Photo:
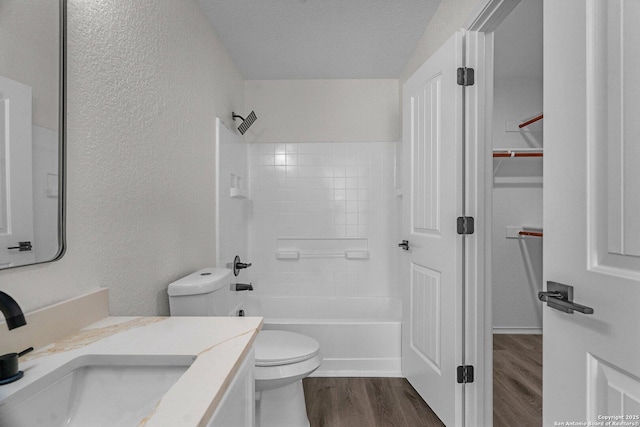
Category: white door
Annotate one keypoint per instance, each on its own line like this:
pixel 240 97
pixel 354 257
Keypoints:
pixel 591 362
pixel 432 200
pixel 16 201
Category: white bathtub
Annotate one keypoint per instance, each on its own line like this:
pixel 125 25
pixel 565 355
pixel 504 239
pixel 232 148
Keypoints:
pixel 359 337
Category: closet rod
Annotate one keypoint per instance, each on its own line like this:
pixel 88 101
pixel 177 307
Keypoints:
pixel 530 233
pixel 516 153
pixel 528 122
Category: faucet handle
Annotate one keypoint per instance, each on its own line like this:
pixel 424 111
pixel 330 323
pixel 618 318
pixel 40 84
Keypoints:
pixel 238 265
pixel 9 371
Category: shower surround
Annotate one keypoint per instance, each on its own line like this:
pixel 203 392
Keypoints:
pixel 316 201
pixel 308 205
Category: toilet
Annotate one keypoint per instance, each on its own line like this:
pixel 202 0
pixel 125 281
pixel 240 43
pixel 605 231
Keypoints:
pixel 282 359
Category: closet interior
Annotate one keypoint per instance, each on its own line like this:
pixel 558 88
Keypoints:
pixel 516 200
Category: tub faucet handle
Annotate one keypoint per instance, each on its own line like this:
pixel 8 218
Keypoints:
pixel 238 265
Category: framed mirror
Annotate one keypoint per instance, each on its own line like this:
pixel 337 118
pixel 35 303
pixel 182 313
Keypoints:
pixel 32 125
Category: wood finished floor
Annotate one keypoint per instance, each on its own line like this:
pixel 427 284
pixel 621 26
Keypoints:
pixel 517 380
pixel 392 402
pixel 366 402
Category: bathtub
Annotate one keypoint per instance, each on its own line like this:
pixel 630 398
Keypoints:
pixel 359 337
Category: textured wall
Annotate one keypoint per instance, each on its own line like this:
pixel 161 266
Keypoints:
pixel 324 110
pixel 449 18
pixel 146 81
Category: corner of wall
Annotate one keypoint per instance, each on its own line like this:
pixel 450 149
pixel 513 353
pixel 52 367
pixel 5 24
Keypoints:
pixel 450 16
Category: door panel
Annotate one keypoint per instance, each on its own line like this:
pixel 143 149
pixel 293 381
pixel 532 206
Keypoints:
pixel 431 269
pixel 613 99
pixel 592 207
pixel 425 107
pixel 425 315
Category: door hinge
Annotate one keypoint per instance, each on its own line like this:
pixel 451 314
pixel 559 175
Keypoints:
pixel 466 225
pixel 466 76
pixel 465 374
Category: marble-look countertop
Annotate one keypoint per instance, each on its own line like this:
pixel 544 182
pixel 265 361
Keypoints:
pixel 218 343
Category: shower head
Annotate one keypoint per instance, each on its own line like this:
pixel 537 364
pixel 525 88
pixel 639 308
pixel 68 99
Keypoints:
pixel 246 123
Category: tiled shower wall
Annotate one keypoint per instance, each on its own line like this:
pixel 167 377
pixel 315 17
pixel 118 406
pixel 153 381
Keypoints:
pixel 324 192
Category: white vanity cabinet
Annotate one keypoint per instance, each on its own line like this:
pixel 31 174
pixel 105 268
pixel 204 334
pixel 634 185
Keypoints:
pixel 237 407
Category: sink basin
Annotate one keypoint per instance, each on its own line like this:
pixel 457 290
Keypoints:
pixel 95 390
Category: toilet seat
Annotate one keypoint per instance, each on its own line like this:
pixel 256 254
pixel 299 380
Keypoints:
pixel 276 348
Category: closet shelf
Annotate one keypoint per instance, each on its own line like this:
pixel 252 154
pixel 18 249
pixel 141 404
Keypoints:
pixel 533 120
pixel 517 152
pixel 514 232
pixel 525 233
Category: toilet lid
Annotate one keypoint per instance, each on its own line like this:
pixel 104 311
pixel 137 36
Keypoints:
pixel 282 348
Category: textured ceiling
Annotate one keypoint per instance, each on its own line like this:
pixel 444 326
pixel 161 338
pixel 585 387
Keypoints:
pixel 320 39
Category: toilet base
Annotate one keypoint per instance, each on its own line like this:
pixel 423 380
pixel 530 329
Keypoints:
pixel 282 407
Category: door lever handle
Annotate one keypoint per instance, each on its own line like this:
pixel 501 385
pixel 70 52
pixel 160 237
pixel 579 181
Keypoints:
pixel 404 245
pixel 560 297
pixel 544 296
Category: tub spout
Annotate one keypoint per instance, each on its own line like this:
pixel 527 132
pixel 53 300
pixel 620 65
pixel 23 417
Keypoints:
pixel 12 311
pixel 242 287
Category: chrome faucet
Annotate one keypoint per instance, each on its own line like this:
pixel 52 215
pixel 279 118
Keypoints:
pixel 12 311
pixel 242 287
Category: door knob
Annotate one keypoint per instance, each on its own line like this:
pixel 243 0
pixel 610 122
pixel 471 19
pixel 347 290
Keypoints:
pixel 404 245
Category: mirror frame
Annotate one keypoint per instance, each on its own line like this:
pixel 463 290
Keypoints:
pixel 62 140
pixel 62 137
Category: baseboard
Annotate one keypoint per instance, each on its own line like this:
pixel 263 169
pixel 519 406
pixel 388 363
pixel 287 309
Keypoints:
pixel 514 331
pixel 359 368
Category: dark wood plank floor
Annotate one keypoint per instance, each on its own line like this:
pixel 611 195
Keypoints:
pixel 517 380
pixel 366 402
pixel 392 402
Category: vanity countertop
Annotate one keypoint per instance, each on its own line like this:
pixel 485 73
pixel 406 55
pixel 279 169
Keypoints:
pixel 219 344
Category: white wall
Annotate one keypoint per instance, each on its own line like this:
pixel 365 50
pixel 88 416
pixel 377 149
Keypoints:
pixel 45 194
pixel 449 18
pixel 29 53
pixel 146 80
pixel 323 110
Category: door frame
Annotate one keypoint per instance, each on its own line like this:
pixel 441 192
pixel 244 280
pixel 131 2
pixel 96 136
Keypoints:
pixel 479 53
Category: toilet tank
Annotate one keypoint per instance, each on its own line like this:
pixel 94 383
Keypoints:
pixel 203 293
